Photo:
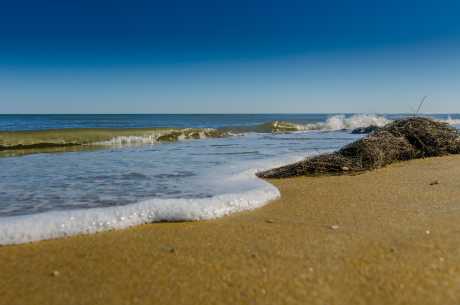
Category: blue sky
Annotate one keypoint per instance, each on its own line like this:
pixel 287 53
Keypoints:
pixel 228 57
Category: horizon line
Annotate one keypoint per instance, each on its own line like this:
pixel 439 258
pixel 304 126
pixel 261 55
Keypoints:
pixel 233 113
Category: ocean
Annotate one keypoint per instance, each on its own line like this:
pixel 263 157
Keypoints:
pixel 75 174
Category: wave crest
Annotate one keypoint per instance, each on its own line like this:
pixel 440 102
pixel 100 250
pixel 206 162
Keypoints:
pixel 336 122
pixel 86 137
pixel 165 136
pixel 339 122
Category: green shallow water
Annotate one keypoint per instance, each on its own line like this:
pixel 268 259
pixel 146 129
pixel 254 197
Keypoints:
pixel 66 138
pixel 15 143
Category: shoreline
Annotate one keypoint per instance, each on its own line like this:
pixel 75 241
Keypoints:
pixel 382 237
pixel 52 225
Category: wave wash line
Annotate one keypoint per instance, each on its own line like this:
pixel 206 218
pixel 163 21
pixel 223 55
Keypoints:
pixel 50 225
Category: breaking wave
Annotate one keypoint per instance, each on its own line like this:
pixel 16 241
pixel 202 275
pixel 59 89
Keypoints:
pixel 336 122
pixel 17 140
pixel 340 122
pixel 168 136
pixel 67 138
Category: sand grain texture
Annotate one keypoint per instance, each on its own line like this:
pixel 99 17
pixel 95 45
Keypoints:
pixel 384 237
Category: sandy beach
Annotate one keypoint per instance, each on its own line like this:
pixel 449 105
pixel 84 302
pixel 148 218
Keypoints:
pixel 390 236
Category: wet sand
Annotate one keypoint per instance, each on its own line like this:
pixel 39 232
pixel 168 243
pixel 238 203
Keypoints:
pixel 384 237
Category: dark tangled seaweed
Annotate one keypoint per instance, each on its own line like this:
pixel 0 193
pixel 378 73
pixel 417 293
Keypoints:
pixel 401 140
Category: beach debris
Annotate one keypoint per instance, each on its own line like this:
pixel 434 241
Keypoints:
pixel 435 182
pixel 405 139
pixel 269 220
pixel 55 273
pixel 365 130
pixel 345 169
pixel 280 126
pixel 427 232
pixel 334 227
pixel 169 249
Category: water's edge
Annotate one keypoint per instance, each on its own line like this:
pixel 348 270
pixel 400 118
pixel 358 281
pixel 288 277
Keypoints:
pixel 58 224
pixel 239 188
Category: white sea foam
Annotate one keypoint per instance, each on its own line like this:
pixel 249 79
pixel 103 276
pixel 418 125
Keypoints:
pixel 22 229
pixel 340 122
pixel 130 140
pixel 55 224
pixel 155 137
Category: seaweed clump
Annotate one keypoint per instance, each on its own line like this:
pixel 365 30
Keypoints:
pixel 191 133
pixel 401 140
pixel 365 130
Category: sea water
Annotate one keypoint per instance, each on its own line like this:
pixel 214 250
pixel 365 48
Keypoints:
pixel 50 195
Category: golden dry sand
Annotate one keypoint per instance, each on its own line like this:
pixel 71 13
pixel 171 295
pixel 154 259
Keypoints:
pixel 384 237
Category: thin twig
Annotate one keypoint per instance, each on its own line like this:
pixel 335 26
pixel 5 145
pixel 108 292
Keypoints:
pixel 420 105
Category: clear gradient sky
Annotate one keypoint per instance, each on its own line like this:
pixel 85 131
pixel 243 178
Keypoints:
pixel 240 56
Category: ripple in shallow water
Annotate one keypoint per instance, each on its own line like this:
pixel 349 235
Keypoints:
pixel 122 176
